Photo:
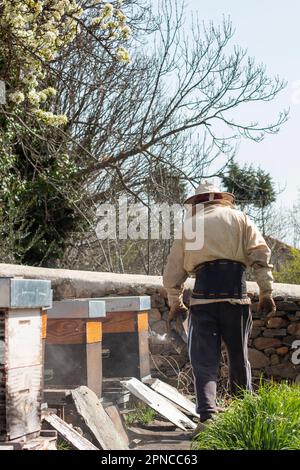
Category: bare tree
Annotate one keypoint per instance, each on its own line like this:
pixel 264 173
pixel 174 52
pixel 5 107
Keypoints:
pixel 175 105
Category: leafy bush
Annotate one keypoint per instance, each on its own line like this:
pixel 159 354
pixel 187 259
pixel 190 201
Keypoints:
pixel 290 272
pixel 266 420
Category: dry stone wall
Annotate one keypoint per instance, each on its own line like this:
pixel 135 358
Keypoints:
pixel 273 343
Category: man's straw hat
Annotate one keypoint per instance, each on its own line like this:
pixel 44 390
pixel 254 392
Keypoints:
pixel 211 189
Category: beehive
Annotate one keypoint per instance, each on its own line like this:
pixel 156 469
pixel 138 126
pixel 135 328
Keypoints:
pixel 73 353
pixel 125 337
pixel 23 304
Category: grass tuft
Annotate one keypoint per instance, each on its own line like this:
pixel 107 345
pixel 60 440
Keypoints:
pixel 143 414
pixel 268 419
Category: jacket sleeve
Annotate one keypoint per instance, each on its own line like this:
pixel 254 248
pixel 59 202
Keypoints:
pixel 174 273
pixel 258 256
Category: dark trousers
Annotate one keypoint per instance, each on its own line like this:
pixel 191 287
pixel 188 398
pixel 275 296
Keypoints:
pixel 208 325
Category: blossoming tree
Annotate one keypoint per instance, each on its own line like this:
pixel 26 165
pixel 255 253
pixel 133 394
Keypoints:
pixel 34 159
pixel 33 32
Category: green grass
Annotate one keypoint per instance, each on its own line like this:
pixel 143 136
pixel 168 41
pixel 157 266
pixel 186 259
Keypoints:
pixel 268 419
pixel 143 414
pixel 63 445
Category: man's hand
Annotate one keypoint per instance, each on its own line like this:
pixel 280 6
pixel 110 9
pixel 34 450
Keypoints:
pixel 267 305
pixel 178 310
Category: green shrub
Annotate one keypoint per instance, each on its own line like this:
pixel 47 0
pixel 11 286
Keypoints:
pixel 268 419
pixel 290 271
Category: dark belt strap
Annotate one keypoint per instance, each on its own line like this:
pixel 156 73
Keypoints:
pixel 220 279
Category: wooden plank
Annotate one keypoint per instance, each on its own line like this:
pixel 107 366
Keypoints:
pixel 127 304
pixel 144 355
pixel 115 415
pixel 120 323
pixel 44 325
pixel 30 293
pixel 25 293
pixel 24 336
pixel 159 404
pixel 123 359
pixel 142 321
pixel 93 332
pixel 97 420
pixel 78 308
pixel 69 433
pixel 65 365
pixel 172 394
pixel 23 401
pixel 94 367
pixel 71 331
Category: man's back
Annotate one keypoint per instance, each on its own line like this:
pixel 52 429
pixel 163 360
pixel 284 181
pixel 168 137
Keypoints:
pixel 224 230
pixel 228 234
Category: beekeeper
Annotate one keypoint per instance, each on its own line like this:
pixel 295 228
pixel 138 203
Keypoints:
pixel 220 306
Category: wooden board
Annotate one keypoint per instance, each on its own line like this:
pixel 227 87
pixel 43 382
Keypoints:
pixel 71 331
pixel 142 322
pixel 24 337
pixel 77 308
pixel 97 420
pixel 127 304
pixel 69 433
pixel 123 322
pixel 115 415
pixel 124 355
pixel 23 401
pixel 172 394
pixel 25 293
pixel 94 367
pixel 159 404
pixel 66 365
pixel 144 355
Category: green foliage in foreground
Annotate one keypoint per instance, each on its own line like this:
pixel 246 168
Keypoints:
pixel 266 420
pixel 143 414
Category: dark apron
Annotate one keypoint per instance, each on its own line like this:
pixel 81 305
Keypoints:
pixel 220 279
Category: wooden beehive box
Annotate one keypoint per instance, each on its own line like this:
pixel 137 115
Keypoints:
pixel 23 304
pixel 125 337
pixel 73 352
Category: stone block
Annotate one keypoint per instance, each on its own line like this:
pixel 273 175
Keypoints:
pixel 265 343
pixel 274 359
pixel 160 327
pixel 276 322
pixel 154 315
pixel 284 371
pixel 270 351
pixel 257 359
pixel 292 317
pixel 287 306
pixel 283 351
pixel 294 329
pixel 255 332
pixel 272 333
pixel 288 340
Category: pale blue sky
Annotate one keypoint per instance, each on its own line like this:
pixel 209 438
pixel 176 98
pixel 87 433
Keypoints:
pixel 271 33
